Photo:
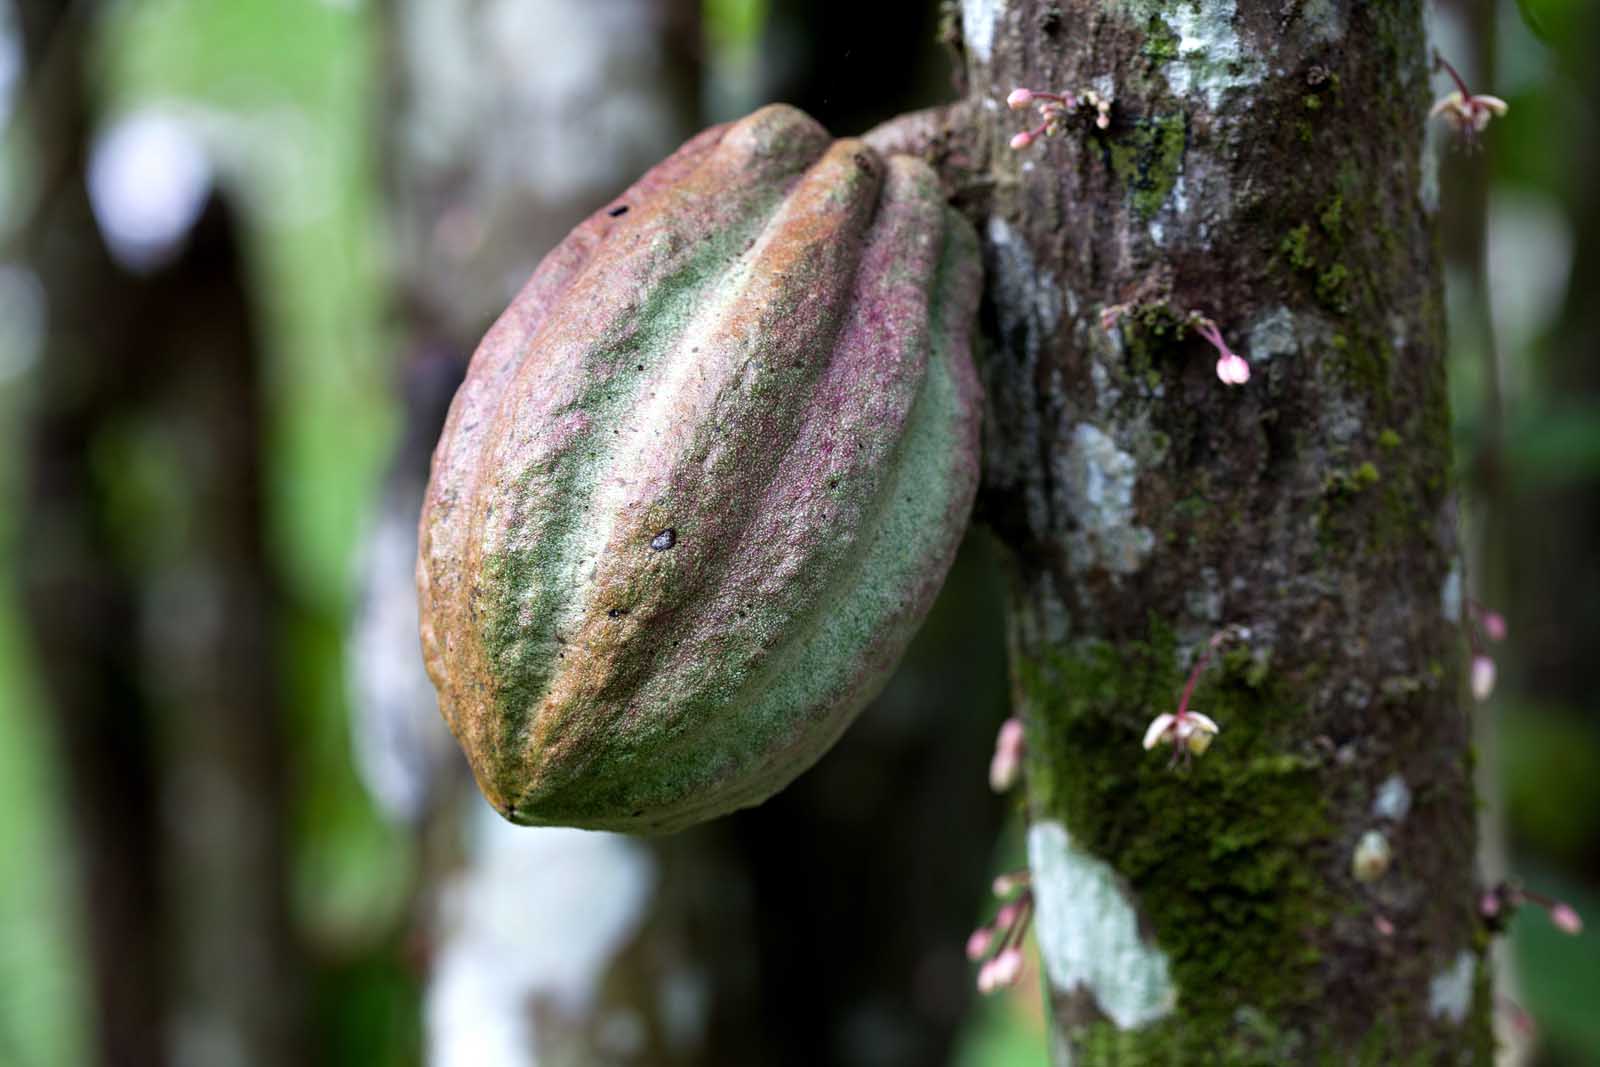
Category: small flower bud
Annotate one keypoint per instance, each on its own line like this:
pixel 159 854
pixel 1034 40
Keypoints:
pixel 978 943
pixel 1004 968
pixel 1019 100
pixel 1494 626
pixel 1006 765
pixel 1007 884
pixel 1482 677
pixel 1566 918
pixel 1022 140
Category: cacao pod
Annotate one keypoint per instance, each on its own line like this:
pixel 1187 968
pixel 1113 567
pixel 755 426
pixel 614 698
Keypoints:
pixel 703 480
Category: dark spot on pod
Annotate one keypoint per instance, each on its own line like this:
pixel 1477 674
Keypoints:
pixel 618 211
pixel 665 539
pixel 511 811
pixel 616 613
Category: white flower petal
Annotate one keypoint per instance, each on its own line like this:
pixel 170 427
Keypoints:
pixel 1158 729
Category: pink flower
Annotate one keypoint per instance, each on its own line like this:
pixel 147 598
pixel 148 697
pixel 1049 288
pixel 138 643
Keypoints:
pixel 1006 765
pixel 1001 971
pixel 1233 370
pixel 1054 111
pixel 1231 367
pixel 1511 895
pixel 1003 936
pixel 1187 729
pixel 978 943
pixel 1468 112
pixel 1482 676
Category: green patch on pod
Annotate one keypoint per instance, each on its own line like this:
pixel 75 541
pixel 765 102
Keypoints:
pixel 703 480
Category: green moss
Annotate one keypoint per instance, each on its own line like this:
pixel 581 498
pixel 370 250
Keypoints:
pixel 1160 40
pixel 1363 365
pixel 1148 159
pixel 1311 102
pixel 1339 482
pixel 1147 330
pixel 1221 854
pixel 1331 284
pixel 1296 245
pixel 1331 214
pixel 1224 856
pixel 1389 439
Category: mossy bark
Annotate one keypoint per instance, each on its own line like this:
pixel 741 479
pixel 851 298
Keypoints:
pixel 1263 166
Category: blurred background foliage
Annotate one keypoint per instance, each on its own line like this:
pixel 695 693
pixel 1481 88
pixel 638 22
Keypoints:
pixel 278 106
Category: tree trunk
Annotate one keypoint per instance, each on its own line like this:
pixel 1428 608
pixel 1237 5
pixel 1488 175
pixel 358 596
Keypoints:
pixel 1263 167
pixel 153 605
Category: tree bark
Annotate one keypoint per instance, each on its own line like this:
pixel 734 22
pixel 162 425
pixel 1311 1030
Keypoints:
pixel 1263 167
pixel 153 605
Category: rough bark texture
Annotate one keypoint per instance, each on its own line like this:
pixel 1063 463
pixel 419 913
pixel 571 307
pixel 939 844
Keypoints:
pixel 1263 166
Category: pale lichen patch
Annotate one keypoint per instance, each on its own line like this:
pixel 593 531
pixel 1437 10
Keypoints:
pixel 1033 295
pixel 979 18
pixel 1428 183
pixel 1273 334
pixel 1450 594
pixel 1211 59
pixel 1450 991
pixel 1097 479
pixel 1393 800
pixel 1028 304
pixel 1324 21
pixel 1088 932
pixel 1206 601
pixel 1106 393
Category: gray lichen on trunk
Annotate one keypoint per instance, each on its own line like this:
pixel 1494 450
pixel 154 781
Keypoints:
pixel 1263 166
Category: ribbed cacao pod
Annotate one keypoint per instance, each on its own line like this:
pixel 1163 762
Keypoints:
pixel 703 480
